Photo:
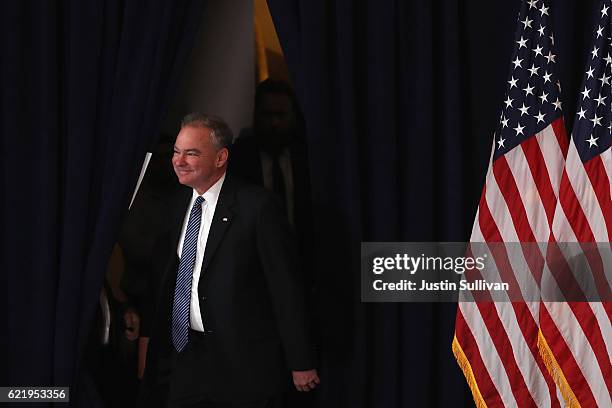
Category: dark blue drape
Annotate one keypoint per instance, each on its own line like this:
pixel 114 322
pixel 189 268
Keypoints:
pixel 401 99
pixel 84 84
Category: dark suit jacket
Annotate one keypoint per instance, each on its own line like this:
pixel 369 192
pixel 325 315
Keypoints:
pixel 245 163
pixel 251 297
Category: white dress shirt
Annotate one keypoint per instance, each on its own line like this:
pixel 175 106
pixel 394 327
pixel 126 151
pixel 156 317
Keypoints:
pixel 211 196
pixel 284 162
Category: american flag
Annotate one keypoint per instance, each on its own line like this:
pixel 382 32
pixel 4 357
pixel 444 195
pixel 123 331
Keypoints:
pixel 496 343
pixel 576 337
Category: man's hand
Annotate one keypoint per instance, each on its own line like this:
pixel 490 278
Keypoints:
pixel 305 380
pixel 132 324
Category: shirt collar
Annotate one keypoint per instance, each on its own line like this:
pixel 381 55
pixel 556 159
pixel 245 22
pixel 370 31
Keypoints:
pixel 284 154
pixel 212 194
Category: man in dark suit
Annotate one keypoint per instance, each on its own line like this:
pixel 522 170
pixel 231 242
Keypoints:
pixel 273 154
pixel 226 313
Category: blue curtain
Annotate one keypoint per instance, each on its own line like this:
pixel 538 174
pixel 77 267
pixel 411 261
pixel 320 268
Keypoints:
pixel 401 99
pixel 84 85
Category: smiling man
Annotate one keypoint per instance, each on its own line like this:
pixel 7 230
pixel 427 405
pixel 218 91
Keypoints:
pixel 226 311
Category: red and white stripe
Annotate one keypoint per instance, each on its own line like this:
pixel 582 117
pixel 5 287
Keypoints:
pixel 579 334
pixel 499 340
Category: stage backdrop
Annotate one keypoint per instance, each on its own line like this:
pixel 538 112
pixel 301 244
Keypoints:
pixel 401 99
pixel 83 87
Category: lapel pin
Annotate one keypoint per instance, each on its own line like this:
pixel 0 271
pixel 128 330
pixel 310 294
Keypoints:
pixel 225 219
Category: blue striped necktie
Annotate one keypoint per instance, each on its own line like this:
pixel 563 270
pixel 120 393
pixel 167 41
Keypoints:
pixel 182 291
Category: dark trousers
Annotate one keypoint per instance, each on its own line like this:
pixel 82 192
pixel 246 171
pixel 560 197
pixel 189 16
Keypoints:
pixel 267 403
pixel 189 386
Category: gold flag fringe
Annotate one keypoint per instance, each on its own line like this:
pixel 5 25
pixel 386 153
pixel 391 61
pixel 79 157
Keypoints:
pixel 465 366
pixel 555 371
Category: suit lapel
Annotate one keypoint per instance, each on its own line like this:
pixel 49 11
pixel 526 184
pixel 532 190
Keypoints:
pixel 179 209
pixel 258 165
pixel 221 221
pixel 254 167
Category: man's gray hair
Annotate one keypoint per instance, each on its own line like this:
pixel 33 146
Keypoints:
pixel 220 133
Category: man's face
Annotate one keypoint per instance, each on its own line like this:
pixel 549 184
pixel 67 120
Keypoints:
pixel 274 121
pixel 275 113
pixel 196 161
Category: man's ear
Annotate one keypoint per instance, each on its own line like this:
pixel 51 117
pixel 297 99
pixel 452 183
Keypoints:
pixel 222 156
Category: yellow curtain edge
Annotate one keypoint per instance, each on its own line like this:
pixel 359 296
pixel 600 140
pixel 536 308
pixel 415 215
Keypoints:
pixel 260 52
pixel 556 372
pixel 465 366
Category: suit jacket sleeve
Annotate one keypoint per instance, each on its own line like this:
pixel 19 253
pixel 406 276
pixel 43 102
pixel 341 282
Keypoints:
pixel 279 259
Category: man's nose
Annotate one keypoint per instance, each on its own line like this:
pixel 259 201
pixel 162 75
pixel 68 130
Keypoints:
pixel 178 160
